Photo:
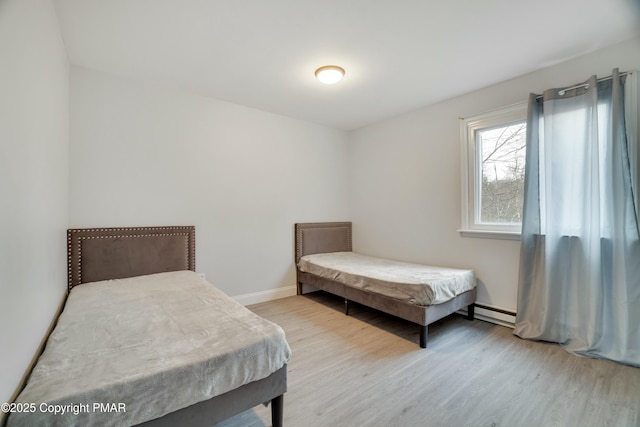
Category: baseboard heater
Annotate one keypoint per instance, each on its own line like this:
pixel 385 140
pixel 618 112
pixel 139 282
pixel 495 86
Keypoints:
pixel 496 315
pixel 497 310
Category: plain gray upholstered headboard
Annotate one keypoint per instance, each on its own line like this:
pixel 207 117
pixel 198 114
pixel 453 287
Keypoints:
pixel 322 237
pixel 115 253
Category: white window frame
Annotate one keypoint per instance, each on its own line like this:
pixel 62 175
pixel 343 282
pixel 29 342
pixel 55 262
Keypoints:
pixel 471 227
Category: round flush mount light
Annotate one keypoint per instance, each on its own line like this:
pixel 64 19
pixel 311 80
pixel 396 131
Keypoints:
pixel 329 74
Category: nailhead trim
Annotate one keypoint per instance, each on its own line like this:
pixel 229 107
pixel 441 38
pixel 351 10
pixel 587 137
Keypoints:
pixel 71 233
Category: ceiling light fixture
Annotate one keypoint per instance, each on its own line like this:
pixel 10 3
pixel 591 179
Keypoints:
pixel 330 74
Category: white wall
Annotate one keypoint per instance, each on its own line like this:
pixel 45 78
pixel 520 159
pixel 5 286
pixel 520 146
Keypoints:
pixel 405 173
pixel 34 84
pixel 143 155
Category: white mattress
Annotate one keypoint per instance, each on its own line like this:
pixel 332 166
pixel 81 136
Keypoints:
pixel 154 343
pixel 414 283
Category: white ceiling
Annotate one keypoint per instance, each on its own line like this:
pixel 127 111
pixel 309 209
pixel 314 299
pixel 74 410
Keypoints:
pixel 398 55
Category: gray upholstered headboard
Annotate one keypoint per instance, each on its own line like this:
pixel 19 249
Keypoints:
pixel 322 237
pixel 114 253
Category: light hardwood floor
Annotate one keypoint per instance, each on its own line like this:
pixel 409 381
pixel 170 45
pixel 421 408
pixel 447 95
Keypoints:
pixel 367 369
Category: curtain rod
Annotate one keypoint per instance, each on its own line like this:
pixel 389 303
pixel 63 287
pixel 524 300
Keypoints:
pixel 586 85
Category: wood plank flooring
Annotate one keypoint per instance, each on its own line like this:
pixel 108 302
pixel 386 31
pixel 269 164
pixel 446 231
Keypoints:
pixel 367 369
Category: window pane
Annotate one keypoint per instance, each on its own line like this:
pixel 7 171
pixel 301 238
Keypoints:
pixel 502 155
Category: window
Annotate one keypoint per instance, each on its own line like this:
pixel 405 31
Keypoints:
pixel 493 147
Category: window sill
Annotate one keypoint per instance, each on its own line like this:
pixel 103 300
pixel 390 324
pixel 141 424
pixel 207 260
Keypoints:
pixel 486 234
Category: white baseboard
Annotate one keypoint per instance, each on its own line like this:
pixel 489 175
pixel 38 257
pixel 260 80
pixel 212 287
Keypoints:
pixel 264 296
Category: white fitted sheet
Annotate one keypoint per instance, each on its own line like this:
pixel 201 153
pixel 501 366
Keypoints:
pixel 414 283
pixel 156 343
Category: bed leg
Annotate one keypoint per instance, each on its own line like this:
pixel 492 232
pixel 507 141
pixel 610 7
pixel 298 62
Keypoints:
pixel 277 410
pixel 424 329
pixel 346 307
pixel 471 311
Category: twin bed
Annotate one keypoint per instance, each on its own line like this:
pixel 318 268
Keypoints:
pixel 418 293
pixel 144 340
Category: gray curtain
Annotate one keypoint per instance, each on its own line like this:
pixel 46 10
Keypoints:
pixel 580 253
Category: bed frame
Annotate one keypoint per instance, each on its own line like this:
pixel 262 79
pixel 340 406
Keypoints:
pixel 324 237
pixel 115 253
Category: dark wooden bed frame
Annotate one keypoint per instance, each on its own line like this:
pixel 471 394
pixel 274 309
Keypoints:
pixel 115 253
pixel 324 237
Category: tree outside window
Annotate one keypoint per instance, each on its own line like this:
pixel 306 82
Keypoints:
pixel 502 167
